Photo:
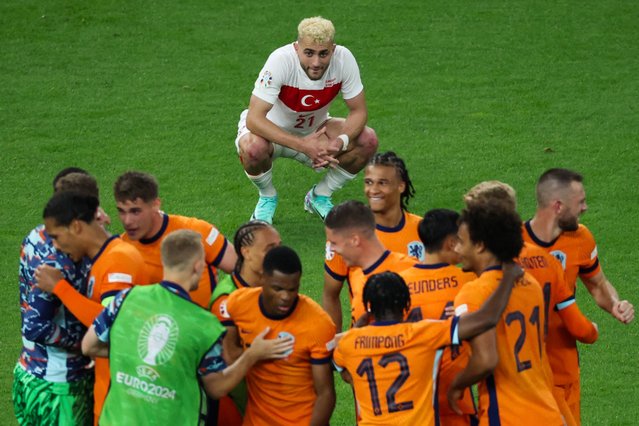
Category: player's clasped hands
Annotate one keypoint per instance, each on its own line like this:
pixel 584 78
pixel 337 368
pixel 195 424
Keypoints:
pixel 47 277
pixel 277 348
pixel 321 150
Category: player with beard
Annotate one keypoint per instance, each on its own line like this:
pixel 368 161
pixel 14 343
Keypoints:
pixel 561 200
pixel 288 117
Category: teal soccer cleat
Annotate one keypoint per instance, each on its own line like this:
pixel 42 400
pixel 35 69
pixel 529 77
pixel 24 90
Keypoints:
pixel 265 209
pixel 318 204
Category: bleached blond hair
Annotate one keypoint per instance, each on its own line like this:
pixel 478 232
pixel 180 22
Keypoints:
pixel 491 191
pixel 317 29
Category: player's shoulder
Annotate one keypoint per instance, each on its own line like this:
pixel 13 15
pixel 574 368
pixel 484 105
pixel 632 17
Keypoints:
pixel 186 222
pixel 401 260
pixel 412 220
pixel 38 243
pixel 243 296
pixel 313 312
pixel 342 52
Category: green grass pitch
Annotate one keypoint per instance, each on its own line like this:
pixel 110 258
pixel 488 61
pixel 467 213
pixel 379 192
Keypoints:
pixel 464 91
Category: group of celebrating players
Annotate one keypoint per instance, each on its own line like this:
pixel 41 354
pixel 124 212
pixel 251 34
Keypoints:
pixel 114 330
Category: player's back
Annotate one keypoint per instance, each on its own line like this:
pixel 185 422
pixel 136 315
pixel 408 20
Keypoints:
pixel 392 366
pixel 433 288
pixel 518 391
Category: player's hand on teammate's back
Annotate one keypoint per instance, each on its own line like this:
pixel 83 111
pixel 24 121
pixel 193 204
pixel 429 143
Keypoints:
pixel 277 348
pixel 512 271
pixel 47 277
pixel 624 311
pixel 454 394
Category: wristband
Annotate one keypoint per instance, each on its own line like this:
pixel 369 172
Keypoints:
pixel 345 141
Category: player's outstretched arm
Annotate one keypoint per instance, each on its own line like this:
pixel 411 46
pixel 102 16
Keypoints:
pixel 92 346
pixel 607 298
pixel 221 383
pixel 488 315
pixel 577 324
pixel 325 391
pixel 330 299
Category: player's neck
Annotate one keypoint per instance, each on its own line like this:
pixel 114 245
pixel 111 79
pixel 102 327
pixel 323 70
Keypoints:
pixel 484 262
pixel 179 278
pixel 389 219
pixel 544 226
pixel 372 250
pixel 96 237
pixel 158 220
pixel 435 258
pixel 251 277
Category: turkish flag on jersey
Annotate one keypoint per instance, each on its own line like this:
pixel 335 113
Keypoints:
pixel 301 100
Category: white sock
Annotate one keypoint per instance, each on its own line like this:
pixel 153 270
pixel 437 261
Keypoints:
pixel 264 183
pixel 333 180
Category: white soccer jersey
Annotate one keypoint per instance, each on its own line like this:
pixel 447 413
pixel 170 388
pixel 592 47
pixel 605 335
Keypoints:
pixel 300 105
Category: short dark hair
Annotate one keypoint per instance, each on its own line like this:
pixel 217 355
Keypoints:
pixel 390 159
pixel 65 207
pixel 553 180
pixel 133 185
pixel 386 293
pixel 497 227
pixel 68 170
pixel 244 237
pixel 436 225
pixel 282 259
pixel 78 182
pixel 351 214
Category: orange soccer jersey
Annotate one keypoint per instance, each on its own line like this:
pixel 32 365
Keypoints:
pixel 403 238
pixel 214 243
pixel 565 322
pixel 389 261
pixel 392 366
pixel 433 288
pixel 282 392
pixel 118 265
pixel 518 391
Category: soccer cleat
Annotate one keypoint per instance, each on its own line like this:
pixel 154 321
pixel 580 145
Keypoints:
pixel 265 209
pixel 318 204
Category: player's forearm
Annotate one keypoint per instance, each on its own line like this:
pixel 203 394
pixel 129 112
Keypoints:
pixel 333 308
pixel 323 408
pixel 92 346
pixel 84 309
pixel 262 126
pixel 605 296
pixel 479 367
pixel 355 122
pixel 220 384
pixel 578 325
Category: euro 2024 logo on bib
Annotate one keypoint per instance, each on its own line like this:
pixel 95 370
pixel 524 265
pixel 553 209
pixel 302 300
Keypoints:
pixel 157 339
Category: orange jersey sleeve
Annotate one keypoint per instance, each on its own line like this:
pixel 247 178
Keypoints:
pixel 282 391
pixel 518 391
pixel 392 366
pixel 83 308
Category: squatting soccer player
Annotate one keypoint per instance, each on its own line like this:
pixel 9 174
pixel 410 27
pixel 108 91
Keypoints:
pixel 288 117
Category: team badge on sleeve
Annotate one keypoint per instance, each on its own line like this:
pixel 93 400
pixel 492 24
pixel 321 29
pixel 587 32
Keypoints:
pixel 265 79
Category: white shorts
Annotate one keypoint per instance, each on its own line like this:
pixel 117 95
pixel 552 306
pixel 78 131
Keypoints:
pixel 278 150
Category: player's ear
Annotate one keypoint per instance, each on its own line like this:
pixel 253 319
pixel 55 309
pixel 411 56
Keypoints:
pixel 450 242
pixel 75 226
pixel 157 203
pixel 402 187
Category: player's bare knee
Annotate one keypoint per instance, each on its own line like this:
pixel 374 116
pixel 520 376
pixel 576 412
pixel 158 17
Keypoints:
pixel 367 142
pixel 254 150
